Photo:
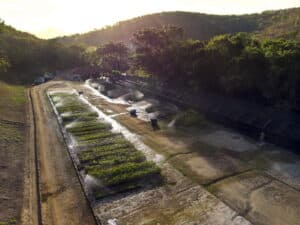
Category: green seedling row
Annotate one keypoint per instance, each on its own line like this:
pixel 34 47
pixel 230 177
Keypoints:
pixel 78 115
pixel 82 133
pixel 109 147
pixel 87 155
pixel 117 138
pixel 125 172
pixel 79 119
pixel 98 135
pixel 74 108
pixel 111 161
pixel 117 153
pixel 120 169
pixel 89 127
pixel 104 142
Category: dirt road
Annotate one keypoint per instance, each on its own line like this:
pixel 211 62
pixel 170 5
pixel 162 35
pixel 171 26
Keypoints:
pixel 30 210
pixel 62 200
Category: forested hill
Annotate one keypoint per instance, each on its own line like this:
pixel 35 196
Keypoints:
pixel 24 57
pixel 280 23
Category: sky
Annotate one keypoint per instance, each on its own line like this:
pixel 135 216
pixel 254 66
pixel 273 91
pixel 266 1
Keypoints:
pixel 50 18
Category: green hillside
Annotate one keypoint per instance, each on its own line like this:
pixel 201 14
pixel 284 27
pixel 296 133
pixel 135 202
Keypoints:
pixel 23 56
pixel 281 23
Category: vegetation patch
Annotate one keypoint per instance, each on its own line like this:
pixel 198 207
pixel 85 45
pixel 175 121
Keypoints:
pixel 10 133
pixel 79 116
pixel 12 102
pixel 12 151
pixel 191 118
pixel 106 156
pixel 9 222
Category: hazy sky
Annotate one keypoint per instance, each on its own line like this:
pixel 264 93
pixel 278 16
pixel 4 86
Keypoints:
pixel 48 18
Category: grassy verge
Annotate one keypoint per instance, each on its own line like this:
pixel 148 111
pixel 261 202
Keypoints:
pixel 12 151
pixel 9 222
pixel 11 134
pixel 12 102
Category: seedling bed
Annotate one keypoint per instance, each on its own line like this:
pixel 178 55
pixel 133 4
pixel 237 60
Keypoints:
pixel 107 156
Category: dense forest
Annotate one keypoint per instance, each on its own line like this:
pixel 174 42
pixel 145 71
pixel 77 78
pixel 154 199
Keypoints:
pixel 272 24
pixel 237 65
pixel 24 57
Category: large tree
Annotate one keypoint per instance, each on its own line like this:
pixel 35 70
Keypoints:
pixel 4 64
pixel 283 77
pixel 112 57
pixel 240 63
pixel 237 65
pixel 154 49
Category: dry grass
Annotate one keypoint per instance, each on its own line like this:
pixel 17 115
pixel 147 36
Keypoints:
pixel 12 102
pixel 12 137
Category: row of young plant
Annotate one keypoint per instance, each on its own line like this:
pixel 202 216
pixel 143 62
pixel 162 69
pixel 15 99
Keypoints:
pixel 104 155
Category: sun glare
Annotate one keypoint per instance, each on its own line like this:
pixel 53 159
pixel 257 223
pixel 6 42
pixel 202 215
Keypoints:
pixel 49 18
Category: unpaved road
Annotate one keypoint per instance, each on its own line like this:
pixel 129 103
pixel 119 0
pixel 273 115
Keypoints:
pixel 30 210
pixel 62 200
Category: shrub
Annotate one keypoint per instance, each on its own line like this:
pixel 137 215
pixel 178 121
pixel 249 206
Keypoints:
pixel 191 118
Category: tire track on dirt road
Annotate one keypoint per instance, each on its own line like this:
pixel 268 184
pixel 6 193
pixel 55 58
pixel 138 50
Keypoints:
pixel 36 160
pixel 31 211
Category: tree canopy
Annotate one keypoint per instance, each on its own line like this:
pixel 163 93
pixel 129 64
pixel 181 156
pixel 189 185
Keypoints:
pixel 111 57
pixel 24 57
pixel 238 65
